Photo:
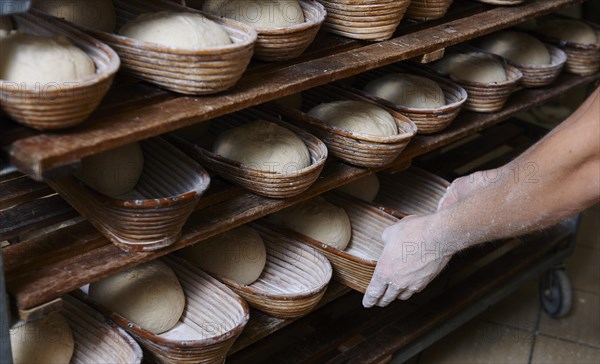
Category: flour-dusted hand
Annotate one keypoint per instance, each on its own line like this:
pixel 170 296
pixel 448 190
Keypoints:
pixel 410 260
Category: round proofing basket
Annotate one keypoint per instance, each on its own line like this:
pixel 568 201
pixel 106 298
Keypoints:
pixel 58 106
pixel 410 192
pixel 283 44
pixel 166 194
pixel 354 148
pixel 293 281
pixel 501 2
pixel 582 59
pixel 216 313
pixel 430 120
pixel 373 20
pixel 194 72
pixel 264 183
pixel 424 10
pixel 98 340
pixel 545 74
pixel 354 266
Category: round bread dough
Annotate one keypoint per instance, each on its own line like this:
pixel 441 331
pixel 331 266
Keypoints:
pixel 189 31
pixel 149 295
pixel 519 48
pixel 356 116
pixel 265 14
pixel 293 101
pixel 472 67
pixel 6 25
pixel 237 254
pixel 408 90
pixel 47 340
pixel 114 172
pixel 365 188
pixel 95 14
pixel 32 59
pixel 569 30
pixel 318 219
pixel 264 146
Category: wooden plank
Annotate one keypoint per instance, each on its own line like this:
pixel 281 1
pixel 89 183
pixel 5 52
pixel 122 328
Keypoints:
pixel 20 190
pixel 39 154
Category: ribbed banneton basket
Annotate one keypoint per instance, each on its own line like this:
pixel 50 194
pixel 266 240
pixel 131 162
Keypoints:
pixel 194 72
pixel 216 313
pixel 294 279
pixel 264 183
pixel 169 188
pixel 54 106
pixel 501 2
pixel 373 20
pixel 354 266
pixel 354 148
pixel 430 120
pixel 423 10
pixel 410 192
pixel 98 340
pixel 543 75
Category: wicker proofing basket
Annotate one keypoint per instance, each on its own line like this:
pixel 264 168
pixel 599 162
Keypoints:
pixel 170 186
pixel 194 72
pixel 294 279
pixel 53 106
pixel 423 10
pixel 501 2
pixel 373 20
pixel 354 266
pixel 98 340
pixel 410 192
pixel 543 75
pixel 354 148
pixel 427 120
pixel 216 313
pixel 264 183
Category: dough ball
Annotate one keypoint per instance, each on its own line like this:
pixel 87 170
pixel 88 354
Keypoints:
pixel 237 254
pixel 92 14
pixel 519 48
pixel 265 146
pixel 569 30
pixel 31 59
pixel 408 90
pixel 177 30
pixel 293 101
pixel 114 172
pixel 472 67
pixel 365 189
pixel 356 116
pixel 6 25
pixel 266 14
pixel 318 219
pixel 48 340
pixel 149 295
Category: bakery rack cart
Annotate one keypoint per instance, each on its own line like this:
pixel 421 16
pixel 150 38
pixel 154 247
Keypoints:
pixel 39 271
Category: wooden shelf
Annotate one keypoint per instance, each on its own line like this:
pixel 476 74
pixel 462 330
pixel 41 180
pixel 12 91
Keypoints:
pixel 136 111
pixel 42 269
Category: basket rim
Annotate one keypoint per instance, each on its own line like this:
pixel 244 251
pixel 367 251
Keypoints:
pixel 322 14
pixel 60 27
pixel 514 76
pixel 570 44
pixel 151 203
pixel 265 228
pixel 175 7
pixel 558 57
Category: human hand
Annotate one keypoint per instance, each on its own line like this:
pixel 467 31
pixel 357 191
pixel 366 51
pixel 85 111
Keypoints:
pixel 410 260
pixel 463 187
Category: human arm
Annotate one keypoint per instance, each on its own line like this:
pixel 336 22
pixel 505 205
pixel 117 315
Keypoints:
pixel 495 204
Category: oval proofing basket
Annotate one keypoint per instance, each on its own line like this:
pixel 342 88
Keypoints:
pixel 424 10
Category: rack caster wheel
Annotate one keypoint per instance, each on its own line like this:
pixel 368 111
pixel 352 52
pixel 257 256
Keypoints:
pixel 556 293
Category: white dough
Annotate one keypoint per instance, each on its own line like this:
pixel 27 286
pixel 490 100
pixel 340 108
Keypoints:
pixel 114 172
pixel 519 48
pixel 408 90
pixel 32 59
pixel 569 30
pixel 265 146
pixel 472 67
pixel 190 31
pixel 92 14
pixel 356 116
pixel 365 188
pixel 237 254
pixel 149 295
pixel 6 25
pixel 318 219
pixel 266 14
pixel 48 340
